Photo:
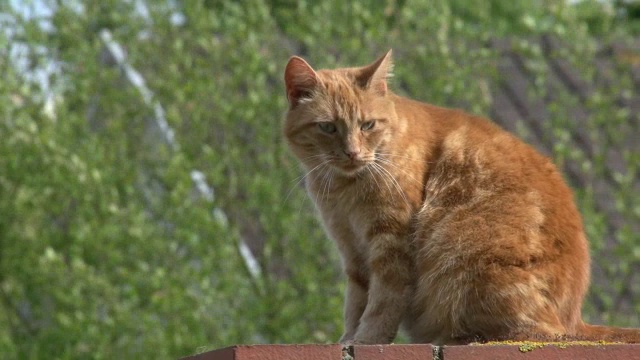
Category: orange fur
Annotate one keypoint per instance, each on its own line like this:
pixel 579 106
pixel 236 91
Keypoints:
pixel 446 224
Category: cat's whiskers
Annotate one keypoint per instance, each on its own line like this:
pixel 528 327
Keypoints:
pixel 301 178
pixel 316 156
pixel 317 168
pixel 371 167
pixel 398 168
pixel 406 157
pixel 330 182
pixel 325 183
pixel 321 181
pixel 394 155
pixel 385 174
pixel 381 158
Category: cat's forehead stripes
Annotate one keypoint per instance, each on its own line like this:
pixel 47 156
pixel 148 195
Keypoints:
pixel 344 97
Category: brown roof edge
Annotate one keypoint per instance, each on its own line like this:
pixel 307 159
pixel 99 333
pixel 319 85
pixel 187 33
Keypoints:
pixel 525 350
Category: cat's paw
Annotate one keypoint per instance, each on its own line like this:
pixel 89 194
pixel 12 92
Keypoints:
pixel 347 339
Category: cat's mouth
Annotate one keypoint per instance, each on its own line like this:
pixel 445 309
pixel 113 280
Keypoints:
pixel 351 167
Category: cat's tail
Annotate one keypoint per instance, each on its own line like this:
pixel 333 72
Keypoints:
pixel 608 333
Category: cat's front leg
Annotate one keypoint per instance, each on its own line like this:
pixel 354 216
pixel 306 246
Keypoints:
pixel 390 264
pixel 355 301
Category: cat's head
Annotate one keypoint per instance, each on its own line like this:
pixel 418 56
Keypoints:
pixel 343 118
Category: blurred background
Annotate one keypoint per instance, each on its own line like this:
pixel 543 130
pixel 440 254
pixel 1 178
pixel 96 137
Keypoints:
pixel 149 207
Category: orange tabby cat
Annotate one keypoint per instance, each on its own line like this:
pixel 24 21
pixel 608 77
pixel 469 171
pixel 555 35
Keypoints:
pixel 446 224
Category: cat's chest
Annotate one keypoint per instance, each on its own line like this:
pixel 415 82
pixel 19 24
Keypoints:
pixel 342 196
pixel 348 210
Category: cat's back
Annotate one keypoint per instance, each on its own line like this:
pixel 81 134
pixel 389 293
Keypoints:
pixel 495 212
pixel 480 149
pixel 501 162
pixel 474 161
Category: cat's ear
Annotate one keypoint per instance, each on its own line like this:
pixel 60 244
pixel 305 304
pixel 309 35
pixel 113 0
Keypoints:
pixel 375 75
pixel 300 80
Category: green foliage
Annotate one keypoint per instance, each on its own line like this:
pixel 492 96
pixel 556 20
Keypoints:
pixel 107 251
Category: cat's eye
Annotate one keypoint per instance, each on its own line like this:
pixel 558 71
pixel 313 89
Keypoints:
pixel 327 127
pixel 368 125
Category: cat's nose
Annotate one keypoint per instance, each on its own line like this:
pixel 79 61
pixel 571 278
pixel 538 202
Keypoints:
pixel 352 154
